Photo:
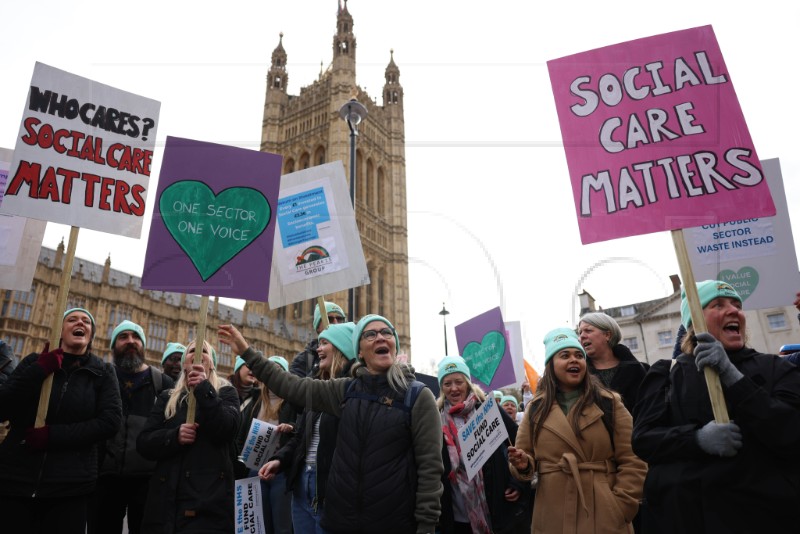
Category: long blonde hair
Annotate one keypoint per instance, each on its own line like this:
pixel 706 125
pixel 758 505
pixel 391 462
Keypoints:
pixel 180 392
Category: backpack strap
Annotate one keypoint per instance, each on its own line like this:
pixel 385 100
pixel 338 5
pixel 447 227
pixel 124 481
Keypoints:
pixel 410 398
pixel 158 382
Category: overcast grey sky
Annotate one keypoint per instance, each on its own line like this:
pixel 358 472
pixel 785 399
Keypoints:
pixel 491 219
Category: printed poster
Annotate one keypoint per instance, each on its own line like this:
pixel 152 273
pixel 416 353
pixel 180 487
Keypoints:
pixel 20 242
pixel 481 435
pixel 317 245
pixel 213 221
pixel 249 514
pixel 83 155
pixel 483 345
pixel 655 138
pixel 261 444
pixel 756 255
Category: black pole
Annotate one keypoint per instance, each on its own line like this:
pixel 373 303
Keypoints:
pixel 351 294
pixel 444 322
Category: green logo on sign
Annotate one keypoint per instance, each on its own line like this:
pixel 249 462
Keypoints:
pixel 744 281
pixel 484 358
pixel 210 228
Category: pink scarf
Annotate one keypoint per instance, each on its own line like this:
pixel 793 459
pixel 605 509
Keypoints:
pixel 472 491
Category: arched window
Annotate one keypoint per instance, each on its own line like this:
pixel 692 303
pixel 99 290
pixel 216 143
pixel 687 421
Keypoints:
pixel 304 161
pixel 369 185
pixel 288 166
pixel 381 192
pixel 319 156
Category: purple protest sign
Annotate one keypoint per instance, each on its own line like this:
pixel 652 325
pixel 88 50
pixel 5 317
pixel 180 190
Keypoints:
pixel 483 345
pixel 214 221
pixel 655 138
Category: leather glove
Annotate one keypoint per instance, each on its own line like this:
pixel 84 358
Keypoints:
pixel 36 438
pixel 50 361
pixel 720 439
pixel 710 352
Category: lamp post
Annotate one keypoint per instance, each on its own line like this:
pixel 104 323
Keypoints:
pixel 353 112
pixel 444 313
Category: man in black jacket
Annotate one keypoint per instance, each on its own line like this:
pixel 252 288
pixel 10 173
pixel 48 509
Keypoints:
pixel 124 474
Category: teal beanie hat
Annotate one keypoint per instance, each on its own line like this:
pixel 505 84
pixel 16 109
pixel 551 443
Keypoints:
pixel 497 394
pixel 453 364
pixel 330 307
pixel 124 326
pixel 172 348
pixel 559 339
pixel 509 398
pixel 237 364
pixel 341 337
pixel 280 360
pixel 707 290
pixel 364 321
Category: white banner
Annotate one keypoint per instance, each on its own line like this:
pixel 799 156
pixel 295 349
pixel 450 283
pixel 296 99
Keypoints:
pixel 261 443
pixel 83 154
pixel 317 247
pixel 756 255
pixel 248 513
pixel 481 435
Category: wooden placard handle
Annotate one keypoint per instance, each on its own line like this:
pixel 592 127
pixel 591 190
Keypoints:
pixel 200 339
pixel 58 320
pixel 699 322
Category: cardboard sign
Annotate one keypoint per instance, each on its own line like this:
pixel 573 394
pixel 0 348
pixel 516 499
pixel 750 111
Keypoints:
pixel 20 242
pixel 654 136
pixel 83 154
pixel 248 506
pixel 214 221
pixel 483 345
pixel 754 255
pixel 481 435
pixel 261 444
pixel 317 245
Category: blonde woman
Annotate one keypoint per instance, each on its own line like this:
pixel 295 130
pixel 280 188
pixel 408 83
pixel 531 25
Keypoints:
pixel 191 489
pixel 268 407
pixel 306 458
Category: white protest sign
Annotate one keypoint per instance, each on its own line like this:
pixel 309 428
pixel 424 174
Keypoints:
pixel 261 443
pixel 248 512
pixel 20 241
pixel 317 247
pixel 754 255
pixel 514 337
pixel 83 154
pixel 481 435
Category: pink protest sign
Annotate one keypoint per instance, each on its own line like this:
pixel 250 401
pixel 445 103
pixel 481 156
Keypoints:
pixel 655 138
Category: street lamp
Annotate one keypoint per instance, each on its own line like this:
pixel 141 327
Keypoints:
pixel 444 313
pixel 353 112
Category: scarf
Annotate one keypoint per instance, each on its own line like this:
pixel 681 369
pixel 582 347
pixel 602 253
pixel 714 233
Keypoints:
pixel 472 491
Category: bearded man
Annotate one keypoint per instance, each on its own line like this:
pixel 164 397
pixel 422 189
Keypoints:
pixel 124 474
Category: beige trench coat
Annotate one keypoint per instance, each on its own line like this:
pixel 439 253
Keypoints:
pixel 586 486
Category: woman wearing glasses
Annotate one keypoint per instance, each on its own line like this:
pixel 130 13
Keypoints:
pixel 387 466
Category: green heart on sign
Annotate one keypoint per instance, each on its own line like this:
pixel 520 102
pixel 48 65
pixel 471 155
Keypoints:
pixel 210 228
pixel 484 358
pixel 744 281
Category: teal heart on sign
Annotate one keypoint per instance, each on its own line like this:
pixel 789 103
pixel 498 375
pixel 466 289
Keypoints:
pixel 744 281
pixel 213 229
pixel 484 358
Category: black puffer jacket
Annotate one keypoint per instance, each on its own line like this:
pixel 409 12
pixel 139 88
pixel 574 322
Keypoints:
pixel 118 456
pixel 191 489
pixel 84 410
pixel 628 377
pixel 306 363
pixel 690 491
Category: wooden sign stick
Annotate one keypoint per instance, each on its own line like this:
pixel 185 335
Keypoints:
pixel 200 338
pixel 323 312
pixel 58 320
pixel 699 322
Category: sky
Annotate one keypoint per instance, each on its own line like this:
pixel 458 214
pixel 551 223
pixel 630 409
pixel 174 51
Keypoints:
pixel 490 214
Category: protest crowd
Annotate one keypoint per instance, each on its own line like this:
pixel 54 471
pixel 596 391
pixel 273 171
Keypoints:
pixel 602 443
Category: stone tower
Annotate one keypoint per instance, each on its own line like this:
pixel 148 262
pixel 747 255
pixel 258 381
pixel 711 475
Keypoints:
pixel 306 130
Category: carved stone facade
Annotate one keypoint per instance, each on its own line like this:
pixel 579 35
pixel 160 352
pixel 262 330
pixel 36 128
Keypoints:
pixel 113 296
pixel 306 130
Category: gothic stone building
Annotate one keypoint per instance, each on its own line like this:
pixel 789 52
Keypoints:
pixel 306 130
